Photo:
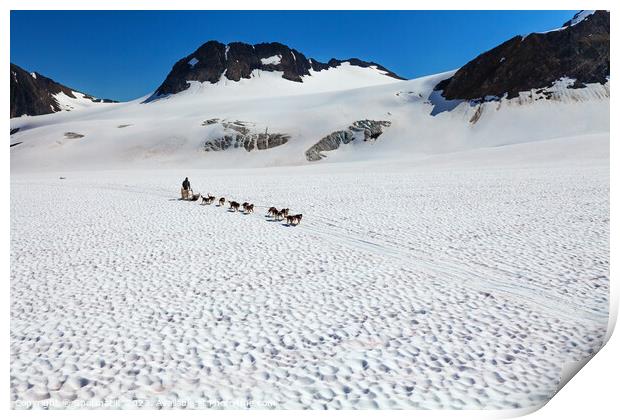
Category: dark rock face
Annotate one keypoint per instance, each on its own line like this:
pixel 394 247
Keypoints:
pixel 579 51
pixel 238 134
pixel 33 95
pixel 362 130
pixel 72 135
pixel 238 60
pixel 330 142
pixel 359 63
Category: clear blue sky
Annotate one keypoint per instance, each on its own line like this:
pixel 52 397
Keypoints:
pixel 126 54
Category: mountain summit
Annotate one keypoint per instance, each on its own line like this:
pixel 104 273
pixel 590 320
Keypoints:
pixel 579 50
pixel 235 61
pixel 35 94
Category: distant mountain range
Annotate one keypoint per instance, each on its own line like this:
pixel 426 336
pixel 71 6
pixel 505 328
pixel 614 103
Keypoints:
pixel 34 94
pixel 578 50
pixel 268 105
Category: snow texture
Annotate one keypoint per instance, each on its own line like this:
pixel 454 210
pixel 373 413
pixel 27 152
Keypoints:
pixel 461 260
pixel 471 290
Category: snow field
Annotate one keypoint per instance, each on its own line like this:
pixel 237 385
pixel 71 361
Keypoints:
pixel 425 285
pixel 169 132
pixel 457 262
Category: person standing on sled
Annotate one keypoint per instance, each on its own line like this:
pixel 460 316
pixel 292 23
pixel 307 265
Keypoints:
pixel 185 189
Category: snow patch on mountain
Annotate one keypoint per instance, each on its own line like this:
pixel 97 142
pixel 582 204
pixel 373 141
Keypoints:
pixel 81 101
pixel 584 14
pixel 276 59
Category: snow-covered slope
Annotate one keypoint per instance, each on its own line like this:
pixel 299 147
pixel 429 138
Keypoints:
pixel 263 84
pixel 79 101
pixel 214 62
pixel 237 104
pixel 172 131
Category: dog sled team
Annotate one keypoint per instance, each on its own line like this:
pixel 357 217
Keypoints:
pixel 274 213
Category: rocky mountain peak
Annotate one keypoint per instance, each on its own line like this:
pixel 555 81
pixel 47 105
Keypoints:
pixel 578 50
pixel 238 60
pixel 34 94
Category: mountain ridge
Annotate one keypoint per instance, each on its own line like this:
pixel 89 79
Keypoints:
pixel 36 94
pixel 234 61
pixel 578 50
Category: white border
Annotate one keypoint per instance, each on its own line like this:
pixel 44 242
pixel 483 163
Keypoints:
pixel 592 393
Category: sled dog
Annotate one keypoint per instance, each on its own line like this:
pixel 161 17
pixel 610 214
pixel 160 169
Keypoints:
pixel 294 220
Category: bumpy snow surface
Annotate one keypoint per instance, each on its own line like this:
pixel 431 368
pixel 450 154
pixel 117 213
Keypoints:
pixel 464 280
pixel 459 260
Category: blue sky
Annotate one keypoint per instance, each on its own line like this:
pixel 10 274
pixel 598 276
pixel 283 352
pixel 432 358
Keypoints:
pixel 126 54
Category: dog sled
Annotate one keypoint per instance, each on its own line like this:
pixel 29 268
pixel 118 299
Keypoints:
pixel 189 195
